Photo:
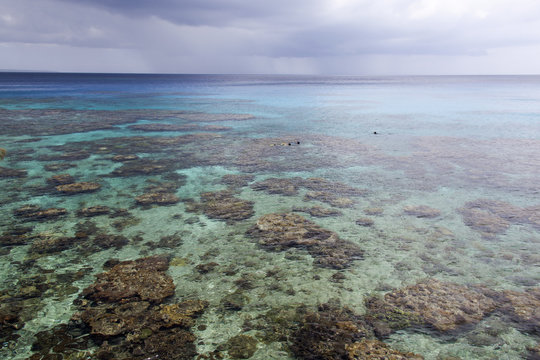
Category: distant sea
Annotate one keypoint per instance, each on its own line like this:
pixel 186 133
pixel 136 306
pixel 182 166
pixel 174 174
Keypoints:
pixel 269 216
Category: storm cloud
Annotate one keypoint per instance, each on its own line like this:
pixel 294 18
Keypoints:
pixel 317 36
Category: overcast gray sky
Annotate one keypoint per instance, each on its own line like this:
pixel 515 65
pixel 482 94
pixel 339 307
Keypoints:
pixel 272 36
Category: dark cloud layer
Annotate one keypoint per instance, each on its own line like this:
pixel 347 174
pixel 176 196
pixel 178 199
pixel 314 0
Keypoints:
pixel 329 36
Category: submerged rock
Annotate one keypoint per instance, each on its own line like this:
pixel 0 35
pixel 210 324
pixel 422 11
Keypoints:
pixel 78 188
pixel 286 230
pixel 158 198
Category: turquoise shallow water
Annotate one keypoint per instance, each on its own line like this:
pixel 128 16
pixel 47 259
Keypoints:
pixel 421 178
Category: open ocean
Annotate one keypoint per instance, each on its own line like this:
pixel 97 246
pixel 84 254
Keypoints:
pixel 269 217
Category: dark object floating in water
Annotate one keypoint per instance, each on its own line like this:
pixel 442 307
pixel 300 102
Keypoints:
pixel 374 133
pixel 2 153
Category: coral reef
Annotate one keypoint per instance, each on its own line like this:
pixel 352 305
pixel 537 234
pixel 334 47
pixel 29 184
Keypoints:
pixel 78 188
pixel 320 184
pixel 443 305
pixel 140 167
pixel 157 198
pixel 177 127
pixel 286 230
pixel 421 211
pixel 326 333
pixel 45 243
pixel 123 158
pixel 32 212
pixel 143 279
pixel 237 180
pixel 58 166
pixel 241 346
pixel 523 308
pixel 377 350
pixel 123 315
pixel 365 221
pixel 319 211
pixel 94 211
pixel 222 205
pixel 491 217
pixel 12 173
pixel 287 187
pixel 329 198
pixel 60 179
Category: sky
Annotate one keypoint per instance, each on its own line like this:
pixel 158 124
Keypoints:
pixel 341 37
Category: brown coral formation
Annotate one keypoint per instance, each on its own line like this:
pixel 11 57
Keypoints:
pixel 491 217
pixel 157 198
pixel 122 314
pixel 78 188
pixel 338 333
pixel 287 187
pixel 377 350
pixel 321 184
pixel 237 180
pixel 223 205
pixel 123 158
pixel 143 279
pixel 49 243
pixel 140 167
pixel 443 305
pixel 60 179
pixel 32 212
pixel 523 308
pixel 12 173
pixel 421 211
pixel 286 230
pixel 326 333
pixel 94 211
pixel 329 198
pixel 319 211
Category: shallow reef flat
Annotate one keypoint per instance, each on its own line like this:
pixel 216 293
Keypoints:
pixel 217 228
